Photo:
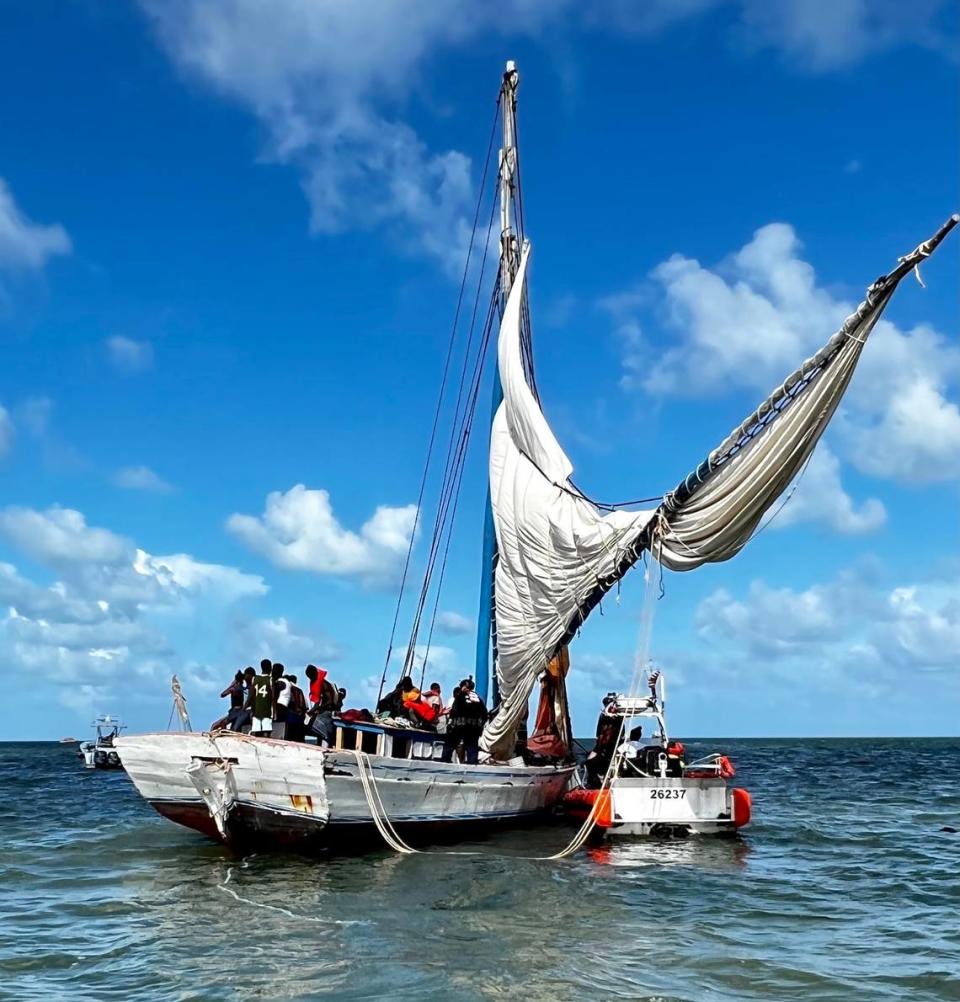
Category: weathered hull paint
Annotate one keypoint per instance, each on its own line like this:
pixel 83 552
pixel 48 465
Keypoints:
pixel 292 795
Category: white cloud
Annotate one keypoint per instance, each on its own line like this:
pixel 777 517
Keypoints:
pixel 454 622
pixel 819 497
pixel 822 37
pixel 104 616
pixel 328 81
pixel 751 320
pixel 299 531
pixel 852 627
pixel 278 640
pixel 442 664
pixel 61 536
pixel 129 355
pixel 141 478
pixel 23 243
pixel 225 584
pixel 7 432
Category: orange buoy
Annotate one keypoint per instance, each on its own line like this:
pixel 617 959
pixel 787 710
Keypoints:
pixel 741 808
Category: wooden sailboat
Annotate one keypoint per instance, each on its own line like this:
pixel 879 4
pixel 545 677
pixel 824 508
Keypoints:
pixel 550 554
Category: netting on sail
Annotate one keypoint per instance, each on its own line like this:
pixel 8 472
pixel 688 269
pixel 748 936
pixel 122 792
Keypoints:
pixel 558 554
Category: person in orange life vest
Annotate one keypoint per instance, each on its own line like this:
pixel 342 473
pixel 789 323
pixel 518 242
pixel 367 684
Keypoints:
pixel 419 710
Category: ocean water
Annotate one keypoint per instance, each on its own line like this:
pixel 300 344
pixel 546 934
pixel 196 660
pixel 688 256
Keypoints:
pixel 844 887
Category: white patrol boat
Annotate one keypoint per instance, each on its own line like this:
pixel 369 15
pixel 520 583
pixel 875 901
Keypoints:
pixel 637 787
pixel 101 752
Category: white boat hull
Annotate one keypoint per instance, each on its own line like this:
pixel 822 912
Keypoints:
pixel 241 789
pixel 650 806
pixel 663 806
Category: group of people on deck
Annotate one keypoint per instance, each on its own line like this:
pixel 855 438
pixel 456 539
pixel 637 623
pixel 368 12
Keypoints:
pixel 272 704
pixel 460 720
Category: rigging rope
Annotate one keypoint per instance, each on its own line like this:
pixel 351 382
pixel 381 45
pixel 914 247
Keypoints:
pixel 440 396
pixel 454 467
pixel 394 840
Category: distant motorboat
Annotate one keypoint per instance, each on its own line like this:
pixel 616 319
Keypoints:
pixel 100 753
pixel 69 741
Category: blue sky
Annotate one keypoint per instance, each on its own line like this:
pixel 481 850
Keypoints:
pixel 229 242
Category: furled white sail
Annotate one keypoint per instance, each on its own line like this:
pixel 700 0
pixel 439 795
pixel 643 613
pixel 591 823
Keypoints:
pixel 554 546
pixel 558 554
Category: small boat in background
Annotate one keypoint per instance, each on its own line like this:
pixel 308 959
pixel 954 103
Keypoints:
pixel 69 741
pixel 101 753
pixel 652 790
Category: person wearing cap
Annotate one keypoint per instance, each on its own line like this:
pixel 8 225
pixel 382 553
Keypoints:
pixel 468 714
pixel 243 717
pixel 608 732
pixel 235 691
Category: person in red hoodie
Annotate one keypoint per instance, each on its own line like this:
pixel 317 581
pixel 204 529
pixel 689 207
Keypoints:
pixel 324 701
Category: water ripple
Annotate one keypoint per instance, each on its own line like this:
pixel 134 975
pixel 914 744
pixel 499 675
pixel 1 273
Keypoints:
pixel 844 888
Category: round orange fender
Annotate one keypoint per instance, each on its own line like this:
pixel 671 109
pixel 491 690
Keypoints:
pixel 741 808
pixel 579 803
pixel 604 812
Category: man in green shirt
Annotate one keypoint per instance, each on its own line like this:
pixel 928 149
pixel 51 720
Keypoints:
pixel 262 700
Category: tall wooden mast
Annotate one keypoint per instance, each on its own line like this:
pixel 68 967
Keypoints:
pixel 485 673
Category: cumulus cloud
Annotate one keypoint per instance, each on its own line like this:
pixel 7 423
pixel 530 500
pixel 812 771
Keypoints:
pixel 60 536
pixel 819 497
pixel 141 478
pixel 299 531
pixel 454 623
pixel 435 660
pixel 185 573
pixel 25 245
pixel 102 615
pixel 853 626
pixel 749 321
pixel 280 641
pixel 326 80
pixel 329 81
pixel 129 355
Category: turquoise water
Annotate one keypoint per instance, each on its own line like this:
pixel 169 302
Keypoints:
pixel 843 888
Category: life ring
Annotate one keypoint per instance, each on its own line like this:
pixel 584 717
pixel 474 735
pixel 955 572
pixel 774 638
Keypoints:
pixel 727 770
